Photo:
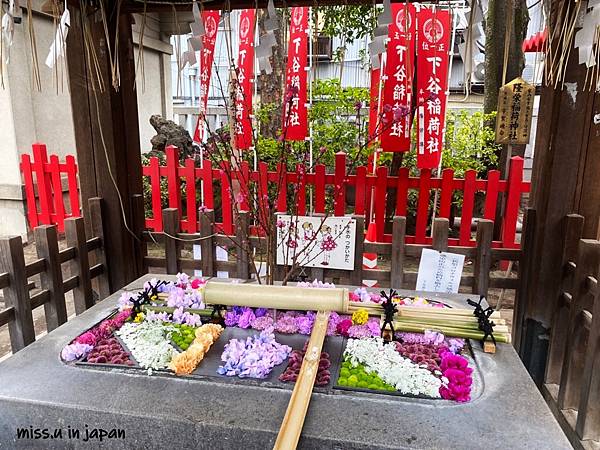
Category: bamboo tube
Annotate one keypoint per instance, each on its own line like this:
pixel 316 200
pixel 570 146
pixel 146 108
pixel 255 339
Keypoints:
pixel 449 331
pixel 448 323
pixel 278 297
pixel 293 421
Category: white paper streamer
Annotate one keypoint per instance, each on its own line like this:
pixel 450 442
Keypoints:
pixel 8 27
pixel 59 45
pixel 267 41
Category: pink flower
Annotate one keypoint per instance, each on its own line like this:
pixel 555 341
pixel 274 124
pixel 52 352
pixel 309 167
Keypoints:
pixel 196 283
pixel 87 338
pixel 343 327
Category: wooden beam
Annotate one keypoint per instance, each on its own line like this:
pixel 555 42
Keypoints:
pixel 293 421
pixel 107 135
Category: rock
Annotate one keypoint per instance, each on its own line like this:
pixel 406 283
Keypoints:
pixel 169 133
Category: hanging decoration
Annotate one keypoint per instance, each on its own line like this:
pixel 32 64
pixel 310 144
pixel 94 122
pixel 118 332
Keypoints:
pixel 8 27
pixel 374 103
pixel 211 25
pixel 267 41
pixel 194 43
pixel 295 114
pixel 380 35
pixel 58 48
pixel 432 83
pixel 245 75
pixel 397 89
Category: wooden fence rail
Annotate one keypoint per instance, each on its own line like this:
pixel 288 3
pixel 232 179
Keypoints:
pixel 15 274
pixel 572 380
pixel 208 179
pixel 238 266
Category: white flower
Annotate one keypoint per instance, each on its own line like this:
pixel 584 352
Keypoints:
pixel 403 374
pixel 148 343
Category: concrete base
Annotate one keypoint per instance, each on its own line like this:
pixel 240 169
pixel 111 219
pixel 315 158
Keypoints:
pixel 37 390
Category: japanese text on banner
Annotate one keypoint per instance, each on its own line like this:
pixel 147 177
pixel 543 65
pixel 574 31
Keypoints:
pixel 245 74
pixel 432 83
pixel 397 90
pixel 211 25
pixel 295 115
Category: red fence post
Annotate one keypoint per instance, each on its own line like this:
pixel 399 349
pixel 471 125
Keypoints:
pixel 226 193
pixel 32 213
pixel 423 206
pixel 446 194
pixel 191 223
pixel 281 188
pixel 467 208
pixel 360 190
pixel 71 169
pixel 40 159
pixel 339 191
pixel 156 222
pixel 513 200
pixel 491 195
pixel 320 188
pixel 301 192
pixel 380 201
pixel 54 170
pixel 206 174
pixel 402 192
pixel 173 180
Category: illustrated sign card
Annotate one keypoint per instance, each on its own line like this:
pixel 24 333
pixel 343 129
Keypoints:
pixel 440 271
pixel 316 242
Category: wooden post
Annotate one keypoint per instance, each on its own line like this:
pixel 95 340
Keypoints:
pixel 588 412
pixel 12 261
pixel 523 293
pixel 397 263
pixel 573 227
pixel 171 229
pixel 46 243
pixel 138 226
pixel 107 130
pixel 97 227
pixel 588 263
pixel 483 260
pixel 207 218
pixel 356 276
pixel 440 234
pixel 79 266
pixel 243 246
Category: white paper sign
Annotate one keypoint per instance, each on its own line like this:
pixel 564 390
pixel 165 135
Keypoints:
pixel 316 242
pixel 439 271
pixel 221 254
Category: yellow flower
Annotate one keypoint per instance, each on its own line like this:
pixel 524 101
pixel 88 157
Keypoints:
pixel 139 317
pixel 360 317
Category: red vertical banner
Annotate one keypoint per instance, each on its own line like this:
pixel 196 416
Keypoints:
pixel 207 53
pixel 432 83
pixel 295 114
pixel 397 88
pixel 374 103
pixel 245 74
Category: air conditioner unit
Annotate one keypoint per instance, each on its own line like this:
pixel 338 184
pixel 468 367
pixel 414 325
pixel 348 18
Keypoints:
pixel 323 48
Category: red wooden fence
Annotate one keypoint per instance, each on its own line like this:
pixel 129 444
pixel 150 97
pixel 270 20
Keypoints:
pixel 42 176
pixel 321 182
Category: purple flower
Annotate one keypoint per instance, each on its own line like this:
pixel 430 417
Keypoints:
pixel 400 112
pixel 74 351
pixel 259 312
pixel 246 318
pixel 286 324
pixel 358 106
pixel 334 319
pixel 125 300
pixel 158 316
pixel 305 324
pixel 359 331
pixel 374 327
pixel 231 318
pixel 262 323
